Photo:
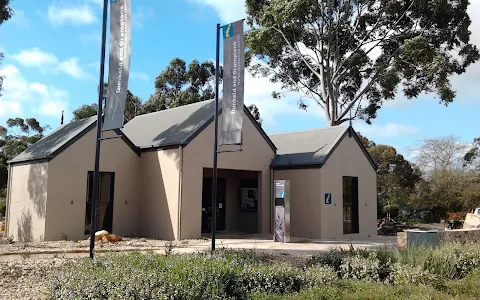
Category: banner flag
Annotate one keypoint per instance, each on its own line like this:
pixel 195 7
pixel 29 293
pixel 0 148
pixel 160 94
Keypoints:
pixel 233 83
pixel 119 63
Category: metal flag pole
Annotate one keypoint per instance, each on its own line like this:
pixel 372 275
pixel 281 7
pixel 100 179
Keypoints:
pixel 215 147
pixel 99 133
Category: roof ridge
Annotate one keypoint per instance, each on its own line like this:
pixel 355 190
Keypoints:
pixel 173 108
pixel 309 130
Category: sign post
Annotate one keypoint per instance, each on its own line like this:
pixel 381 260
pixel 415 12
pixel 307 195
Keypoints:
pixel 119 67
pixel 233 94
pixel 99 133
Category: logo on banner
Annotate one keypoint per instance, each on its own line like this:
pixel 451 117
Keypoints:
pixel 282 194
pixel 228 31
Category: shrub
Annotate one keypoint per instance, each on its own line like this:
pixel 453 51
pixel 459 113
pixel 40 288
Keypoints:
pixel 349 290
pixel 333 259
pixel 319 275
pixel 199 276
pixel 406 274
pixel 357 267
pixel 3 207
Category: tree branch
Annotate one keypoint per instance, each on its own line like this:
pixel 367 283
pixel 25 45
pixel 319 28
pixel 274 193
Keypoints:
pixel 369 84
pixel 362 43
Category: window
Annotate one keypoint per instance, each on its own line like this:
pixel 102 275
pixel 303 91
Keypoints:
pixel 350 205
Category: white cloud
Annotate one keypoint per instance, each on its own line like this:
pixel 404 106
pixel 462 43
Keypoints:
pixel 9 108
pixel 72 68
pixel 74 15
pixel 20 95
pixel 48 63
pixel 259 91
pixel 34 57
pixel 228 10
pixel 389 130
pixel 139 75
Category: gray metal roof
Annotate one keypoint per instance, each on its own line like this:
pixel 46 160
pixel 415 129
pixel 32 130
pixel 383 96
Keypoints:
pixel 171 127
pixel 175 126
pixel 56 141
pixel 310 147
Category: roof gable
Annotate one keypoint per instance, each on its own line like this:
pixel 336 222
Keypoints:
pixel 311 148
pixel 177 126
pixel 171 127
pixel 55 142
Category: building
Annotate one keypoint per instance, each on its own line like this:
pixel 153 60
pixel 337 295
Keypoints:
pixel 156 180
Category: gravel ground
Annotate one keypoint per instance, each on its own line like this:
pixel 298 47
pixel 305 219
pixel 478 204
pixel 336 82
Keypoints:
pixel 6 247
pixel 23 278
pixel 26 279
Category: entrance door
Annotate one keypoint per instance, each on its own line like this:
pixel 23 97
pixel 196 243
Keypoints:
pixel 207 204
pixel 104 214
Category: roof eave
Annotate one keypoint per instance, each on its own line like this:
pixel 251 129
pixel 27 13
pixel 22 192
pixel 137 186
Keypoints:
pixel 296 166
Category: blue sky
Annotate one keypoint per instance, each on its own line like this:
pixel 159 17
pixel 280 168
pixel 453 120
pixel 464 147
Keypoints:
pixel 52 54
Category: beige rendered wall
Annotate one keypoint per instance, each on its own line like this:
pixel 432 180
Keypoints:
pixel 348 160
pixel 67 187
pixel 159 194
pixel 256 156
pixel 28 202
pixel 305 216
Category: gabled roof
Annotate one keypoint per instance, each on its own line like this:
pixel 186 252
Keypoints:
pixel 176 126
pixel 311 148
pixel 55 142
pixel 166 128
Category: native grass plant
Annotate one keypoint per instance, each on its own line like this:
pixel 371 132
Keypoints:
pixel 360 268
pixel 229 274
pixel 193 276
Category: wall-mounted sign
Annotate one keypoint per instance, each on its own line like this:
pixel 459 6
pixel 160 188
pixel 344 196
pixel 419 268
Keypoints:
pixel 328 198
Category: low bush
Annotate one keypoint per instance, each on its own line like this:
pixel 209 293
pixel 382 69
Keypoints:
pixel 351 289
pixel 338 274
pixel 3 207
pixel 222 275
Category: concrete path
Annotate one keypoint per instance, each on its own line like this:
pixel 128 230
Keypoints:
pixel 297 247
pixel 250 242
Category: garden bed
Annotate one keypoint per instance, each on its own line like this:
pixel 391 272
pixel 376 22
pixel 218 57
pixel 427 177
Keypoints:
pixel 442 273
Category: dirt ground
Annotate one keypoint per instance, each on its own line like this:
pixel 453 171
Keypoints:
pixel 25 267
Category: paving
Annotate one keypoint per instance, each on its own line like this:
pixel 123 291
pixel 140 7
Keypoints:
pixel 295 246
pixel 249 242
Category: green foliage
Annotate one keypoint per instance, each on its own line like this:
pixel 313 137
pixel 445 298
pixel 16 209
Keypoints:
pixel 3 206
pixel 396 177
pixel 16 138
pixel 385 273
pixel 177 85
pixel 322 48
pixel 133 107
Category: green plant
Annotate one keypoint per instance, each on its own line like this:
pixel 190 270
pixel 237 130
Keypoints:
pixel 3 207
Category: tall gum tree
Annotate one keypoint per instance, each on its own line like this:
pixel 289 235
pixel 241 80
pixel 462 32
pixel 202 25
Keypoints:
pixel 349 56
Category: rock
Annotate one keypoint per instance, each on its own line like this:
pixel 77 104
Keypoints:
pixel 100 234
pixel 143 240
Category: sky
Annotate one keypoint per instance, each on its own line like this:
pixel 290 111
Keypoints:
pixel 52 61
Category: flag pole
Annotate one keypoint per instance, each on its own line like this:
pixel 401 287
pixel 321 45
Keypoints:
pixel 215 147
pixel 99 132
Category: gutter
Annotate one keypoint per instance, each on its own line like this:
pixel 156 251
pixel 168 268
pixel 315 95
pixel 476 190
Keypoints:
pixel 180 176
